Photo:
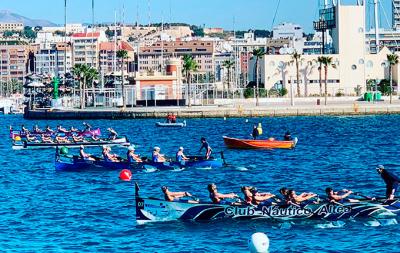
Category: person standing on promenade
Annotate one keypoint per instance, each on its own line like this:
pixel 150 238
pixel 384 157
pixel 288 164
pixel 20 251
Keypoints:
pixel 391 181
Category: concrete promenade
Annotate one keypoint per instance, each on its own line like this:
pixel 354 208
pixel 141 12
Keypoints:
pixel 238 108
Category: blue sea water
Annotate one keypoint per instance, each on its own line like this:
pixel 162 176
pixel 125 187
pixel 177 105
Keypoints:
pixel 43 210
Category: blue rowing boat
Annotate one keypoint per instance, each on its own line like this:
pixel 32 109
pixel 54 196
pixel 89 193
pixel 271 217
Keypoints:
pixel 75 163
pixel 160 210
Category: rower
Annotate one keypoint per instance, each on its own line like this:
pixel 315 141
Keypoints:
pixel 131 156
pixel 24 129
pixel 206 146
pixel 391 181
pixel 169 118
pixel 94 137
pixel 336 197
pixel 173 118
pixel 87 127
pixel 218 198
pixel 157 157
pixel 107 156
pixel 48 129
pixel 36 129
pixel 62 139
pixel 255 132
pixel 30 138
pixel 83 155
pixel 173 196
pixel 73 130
pixel 60 129
pixel 77 138
pixel 180 156
pixel 287 136
pixel 113 134
pixel 253 197
pixel 46 139
pixel 295 199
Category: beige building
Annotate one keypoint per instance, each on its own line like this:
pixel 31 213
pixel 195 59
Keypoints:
pixel 354 65
pixel 154 56
pixel 11 27
pixel 14 62
pixel 107 57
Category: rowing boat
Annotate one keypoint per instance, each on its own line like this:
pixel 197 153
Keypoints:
pixel 157 210
pixel 75 163
pixel 24 144
pixel 88 133
pixel 164 124
pixel 259 144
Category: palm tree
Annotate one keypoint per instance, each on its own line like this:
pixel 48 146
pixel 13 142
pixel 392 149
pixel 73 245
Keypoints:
pixel 122 54
pixel 189 65
pixel 258 53
pixel 80 72
pixel 319 61
pixel 326 61
pixel 392 59
pixel 228 64
pixel 296 58
pixel 91 75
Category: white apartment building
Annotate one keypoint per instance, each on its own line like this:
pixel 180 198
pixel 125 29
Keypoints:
pixel 287 30
pixel 396 14
pixel 86 48
pixel 354 64
pixel 11 27
pixel 49 60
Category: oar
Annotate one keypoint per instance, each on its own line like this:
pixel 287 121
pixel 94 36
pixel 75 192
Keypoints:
pixel 364 196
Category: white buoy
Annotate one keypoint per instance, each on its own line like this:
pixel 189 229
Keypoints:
pixel 259 243
pixel 247 121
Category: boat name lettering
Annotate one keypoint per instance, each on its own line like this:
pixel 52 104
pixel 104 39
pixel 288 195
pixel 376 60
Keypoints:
pixel 277 211
pixel 154 206
pixel 333 209
pixel 240 211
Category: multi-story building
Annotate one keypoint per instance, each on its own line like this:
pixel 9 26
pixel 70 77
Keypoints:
pixel 85 48
pixel 242 50
pixel 396 14
pixel 107 57
pixel 354 64
pixel 287 31
pixel 50 59
pixel 154 56
pixel 14 60
pixel 11 27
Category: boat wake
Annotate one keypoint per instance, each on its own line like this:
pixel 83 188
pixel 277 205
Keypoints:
pixel 381 222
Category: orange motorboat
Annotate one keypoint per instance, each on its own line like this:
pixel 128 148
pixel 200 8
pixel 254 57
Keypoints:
pixel 259 144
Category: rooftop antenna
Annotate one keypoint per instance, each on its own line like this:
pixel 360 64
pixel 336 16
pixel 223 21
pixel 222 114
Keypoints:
pixel 170 12
pixel 162 43
pixel 65 37
pixel 93 44
pixel 149 11
pixel 137 14
pixel 376 26
pixel 115 42
pixel 276 13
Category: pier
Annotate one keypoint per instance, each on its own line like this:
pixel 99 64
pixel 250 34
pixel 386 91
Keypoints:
pixel 268 108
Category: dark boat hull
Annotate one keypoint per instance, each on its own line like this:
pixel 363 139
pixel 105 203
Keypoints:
pixel 154 210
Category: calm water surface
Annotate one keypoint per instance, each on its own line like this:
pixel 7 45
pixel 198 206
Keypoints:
pixel 47 211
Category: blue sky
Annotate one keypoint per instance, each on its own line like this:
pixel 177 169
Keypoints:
pixel 257 14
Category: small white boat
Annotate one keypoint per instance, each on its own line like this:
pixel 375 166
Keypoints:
pixel 165 124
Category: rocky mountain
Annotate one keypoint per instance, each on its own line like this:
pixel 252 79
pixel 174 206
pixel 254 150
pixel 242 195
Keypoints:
pixel 7 16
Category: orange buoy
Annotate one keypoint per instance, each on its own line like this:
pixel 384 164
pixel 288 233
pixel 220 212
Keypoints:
pixel 125 175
